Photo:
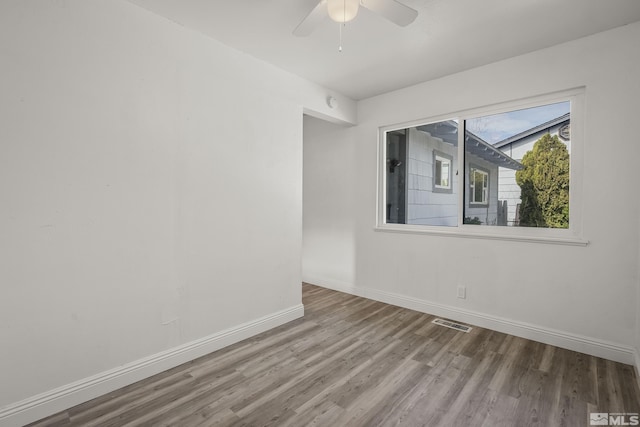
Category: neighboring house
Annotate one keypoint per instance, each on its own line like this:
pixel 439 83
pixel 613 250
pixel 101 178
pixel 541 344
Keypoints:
pixel 516 147
pixel 483 163
pixel 422 176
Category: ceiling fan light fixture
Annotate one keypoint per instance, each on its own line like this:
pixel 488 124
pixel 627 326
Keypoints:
pixel 343 10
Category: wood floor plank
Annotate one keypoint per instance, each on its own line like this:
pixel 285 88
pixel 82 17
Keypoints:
pixel 59 420
pixel 355 379
pixel 346 346
pixel 467 403
pixel 351 361
pixel 501 411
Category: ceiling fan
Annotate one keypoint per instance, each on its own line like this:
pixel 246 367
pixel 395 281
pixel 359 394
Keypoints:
pixel 345 10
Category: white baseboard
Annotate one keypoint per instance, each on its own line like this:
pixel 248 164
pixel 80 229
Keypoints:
pixel 51 402
pixel 336 285
pixel 579 343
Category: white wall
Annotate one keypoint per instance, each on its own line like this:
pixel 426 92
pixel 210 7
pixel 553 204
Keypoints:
pixel 328 194
pixel 151 190
pixel 582 297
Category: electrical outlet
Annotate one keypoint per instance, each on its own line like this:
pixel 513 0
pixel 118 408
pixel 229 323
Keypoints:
pixel 462 292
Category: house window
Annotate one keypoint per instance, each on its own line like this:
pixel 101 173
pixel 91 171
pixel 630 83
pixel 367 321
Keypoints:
pixel 442 171
pixel 478 185
pixel 507 165
pixel 524 152
pixel 418 175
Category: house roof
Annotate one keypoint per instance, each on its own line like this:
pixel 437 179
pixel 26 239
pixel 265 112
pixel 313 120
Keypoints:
pixel 537 129
pixel 477 146
pixel 448 132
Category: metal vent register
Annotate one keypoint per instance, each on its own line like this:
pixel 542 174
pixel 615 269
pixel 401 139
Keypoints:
pixel 452 325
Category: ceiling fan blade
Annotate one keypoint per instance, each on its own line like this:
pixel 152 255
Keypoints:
pixel 308 24
pixel 392 10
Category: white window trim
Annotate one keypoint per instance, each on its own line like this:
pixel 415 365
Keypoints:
pixel 485 190
pixel 449 172
pixel 571 236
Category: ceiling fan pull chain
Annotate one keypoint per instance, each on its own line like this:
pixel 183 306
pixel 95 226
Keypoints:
pixel 344 22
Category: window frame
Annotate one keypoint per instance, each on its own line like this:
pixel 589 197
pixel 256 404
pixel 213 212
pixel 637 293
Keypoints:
pixel 485 190
pixel 569 236
pixel 441 188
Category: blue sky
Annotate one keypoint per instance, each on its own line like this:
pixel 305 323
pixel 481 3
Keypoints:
pixel 497 127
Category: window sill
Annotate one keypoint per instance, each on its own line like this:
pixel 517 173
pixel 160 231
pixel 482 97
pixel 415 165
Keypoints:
pixel 465 232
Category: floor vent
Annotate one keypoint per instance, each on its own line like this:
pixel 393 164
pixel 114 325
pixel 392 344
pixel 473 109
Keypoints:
pixel 452 325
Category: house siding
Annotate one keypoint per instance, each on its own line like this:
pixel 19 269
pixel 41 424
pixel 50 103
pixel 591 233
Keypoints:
pixel 424 206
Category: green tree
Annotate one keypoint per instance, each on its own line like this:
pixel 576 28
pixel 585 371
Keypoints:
pixel 544 184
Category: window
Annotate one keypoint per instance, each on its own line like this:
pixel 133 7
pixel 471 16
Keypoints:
pixel 527 149
pixel 479 183
pixel 419 165
pixel 442 171
pixel 508 166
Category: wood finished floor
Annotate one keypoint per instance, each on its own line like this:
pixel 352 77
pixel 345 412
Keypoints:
pixel 356 362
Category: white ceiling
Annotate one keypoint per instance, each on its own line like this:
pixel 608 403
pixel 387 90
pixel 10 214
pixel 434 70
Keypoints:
pixel 447 37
